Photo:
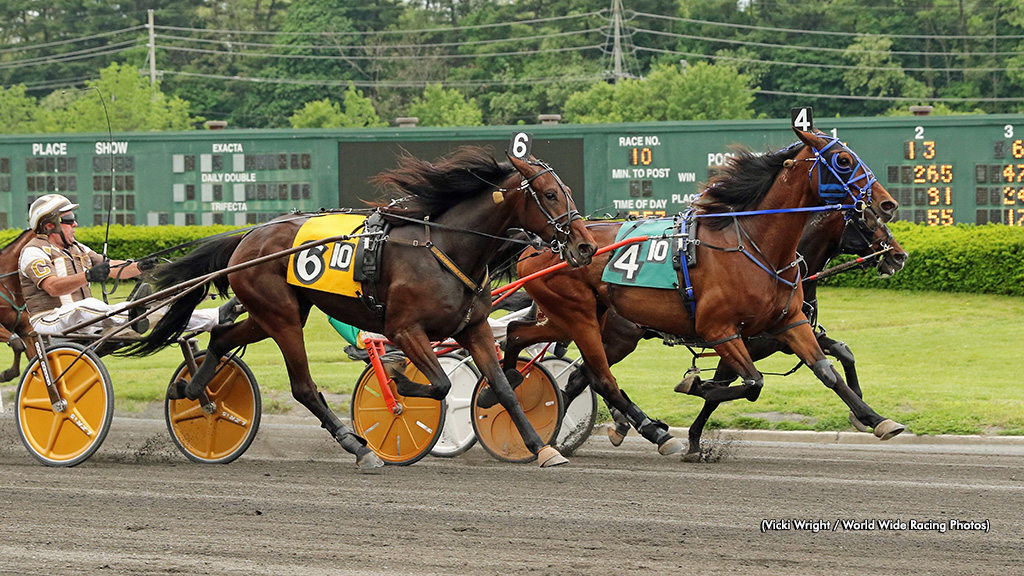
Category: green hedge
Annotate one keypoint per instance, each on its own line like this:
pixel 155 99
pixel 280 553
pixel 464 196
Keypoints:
pixel 133 241
pixel 964 258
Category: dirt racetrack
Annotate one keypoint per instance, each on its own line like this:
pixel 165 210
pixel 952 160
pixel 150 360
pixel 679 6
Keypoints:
pixel 295 504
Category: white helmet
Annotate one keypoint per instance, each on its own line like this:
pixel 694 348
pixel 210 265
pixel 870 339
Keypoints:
pixel 48 208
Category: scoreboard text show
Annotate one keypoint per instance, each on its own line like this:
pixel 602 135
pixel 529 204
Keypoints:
pixel 942 169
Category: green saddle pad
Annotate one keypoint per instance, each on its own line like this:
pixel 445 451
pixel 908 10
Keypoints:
pixel 648 263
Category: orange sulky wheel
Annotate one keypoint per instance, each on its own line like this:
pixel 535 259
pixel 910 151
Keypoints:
pixel 71 436
pixel 224 434
pixel 403 438
pixel 540 399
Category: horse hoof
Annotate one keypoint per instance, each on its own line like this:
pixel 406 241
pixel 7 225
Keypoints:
pixel 369 461
pixel 686 383
pixel 549 456
pixel 616 436
pixel 691 457
pixel 887 429
pixel 176 391
pixel 858 424
pixel 671 446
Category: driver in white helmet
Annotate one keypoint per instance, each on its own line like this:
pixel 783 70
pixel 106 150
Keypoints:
pixel 56 271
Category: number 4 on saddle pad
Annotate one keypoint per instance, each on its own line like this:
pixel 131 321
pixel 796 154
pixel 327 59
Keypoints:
pixel 650 263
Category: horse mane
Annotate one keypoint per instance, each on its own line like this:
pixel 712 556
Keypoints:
pixel 431 188
pixel 743 182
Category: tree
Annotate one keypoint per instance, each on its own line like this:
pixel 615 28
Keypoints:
pixel 18 112
pixel 358 113
pixel 131 104
pixel 876 74
pixel 440 107
pixel 699 92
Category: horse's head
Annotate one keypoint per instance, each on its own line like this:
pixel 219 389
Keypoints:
pixel 549 211
pixel 867 234
pixel 840 176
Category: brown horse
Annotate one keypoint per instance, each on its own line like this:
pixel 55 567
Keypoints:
pixel 746 282
pixel 825 236
pixel 457 210
pixel 13 315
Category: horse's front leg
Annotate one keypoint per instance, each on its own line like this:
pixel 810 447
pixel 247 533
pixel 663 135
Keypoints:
pixel 417 347
pixel 802 341
pixel 478 339
pixel 840 351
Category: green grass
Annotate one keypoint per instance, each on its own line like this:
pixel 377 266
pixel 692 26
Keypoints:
pixel 940 363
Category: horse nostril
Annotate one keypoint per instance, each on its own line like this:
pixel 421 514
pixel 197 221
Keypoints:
pixel 889 208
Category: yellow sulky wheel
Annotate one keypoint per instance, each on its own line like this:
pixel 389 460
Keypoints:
pixel 224 434
pixel 71 436
pixel 540 399
pixel 403 438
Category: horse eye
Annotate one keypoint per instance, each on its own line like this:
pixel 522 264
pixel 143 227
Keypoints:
pixel 550 195
pixel 844 162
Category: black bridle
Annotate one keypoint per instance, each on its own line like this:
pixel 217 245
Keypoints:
pixel 561 223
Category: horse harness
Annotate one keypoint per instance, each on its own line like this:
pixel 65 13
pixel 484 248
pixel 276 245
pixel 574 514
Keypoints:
pixel 834 185
pixel 377 230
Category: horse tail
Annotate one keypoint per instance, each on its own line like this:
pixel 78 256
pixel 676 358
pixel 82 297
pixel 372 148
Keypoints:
pixel 209 257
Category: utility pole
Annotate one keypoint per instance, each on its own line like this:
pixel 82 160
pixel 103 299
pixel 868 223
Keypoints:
pixel 617 37
pixel 152 49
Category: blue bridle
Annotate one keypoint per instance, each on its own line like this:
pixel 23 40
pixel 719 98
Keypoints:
pixel 836 182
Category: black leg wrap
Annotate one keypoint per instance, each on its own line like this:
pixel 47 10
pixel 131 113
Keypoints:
pixel 488 397
pixel 348 439
pixel 842 353
pixel 825 372
pixel 655 431
pixel 515 378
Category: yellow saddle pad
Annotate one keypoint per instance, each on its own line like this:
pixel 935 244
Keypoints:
pixel 327 267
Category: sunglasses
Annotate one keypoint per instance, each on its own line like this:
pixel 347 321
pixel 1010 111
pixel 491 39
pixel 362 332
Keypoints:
pixel 68 219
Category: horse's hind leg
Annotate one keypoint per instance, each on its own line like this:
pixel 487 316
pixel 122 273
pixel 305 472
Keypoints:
pixel 18 348
pixel 277 313
pixel 801 339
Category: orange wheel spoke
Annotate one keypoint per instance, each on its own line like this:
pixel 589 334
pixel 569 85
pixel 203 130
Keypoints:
pixel 190 413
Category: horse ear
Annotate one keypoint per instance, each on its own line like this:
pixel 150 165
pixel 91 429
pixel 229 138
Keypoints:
pixel 519 165
pixel 809 138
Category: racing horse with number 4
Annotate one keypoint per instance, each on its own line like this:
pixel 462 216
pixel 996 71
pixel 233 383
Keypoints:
pixel 743 281
pixel 431 280
pixel 826 235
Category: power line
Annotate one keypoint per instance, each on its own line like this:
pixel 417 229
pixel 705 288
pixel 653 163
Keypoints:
pixel 388 32
pixel 388 57
pixel 885 98
pixel 816 65
pixel 71 56
pixel 803 48
pixel 26 47
pixel 392 83
pixel 825 32
pixel 340 47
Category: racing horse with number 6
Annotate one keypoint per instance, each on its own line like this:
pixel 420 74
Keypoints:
pixel 739 275
pixel 431 278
